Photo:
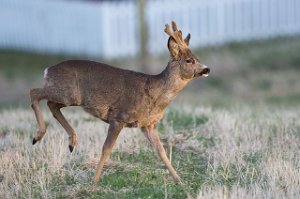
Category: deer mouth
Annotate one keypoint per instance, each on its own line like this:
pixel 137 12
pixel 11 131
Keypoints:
pixel 204 72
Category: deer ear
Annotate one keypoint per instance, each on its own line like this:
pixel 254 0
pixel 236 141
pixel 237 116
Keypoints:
pixel 173 48
pixel 187 39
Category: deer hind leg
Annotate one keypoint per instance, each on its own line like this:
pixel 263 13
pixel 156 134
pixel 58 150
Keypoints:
pixel 151 134
pixel 36 95
pixel 113 133
pixel 55 110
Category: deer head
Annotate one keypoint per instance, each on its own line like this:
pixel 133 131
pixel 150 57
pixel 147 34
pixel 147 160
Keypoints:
pixel 187 63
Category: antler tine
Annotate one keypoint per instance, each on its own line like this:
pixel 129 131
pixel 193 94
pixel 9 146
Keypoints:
pixel 180 35
pixel 174 26
pixel 176 34
pixel 168 31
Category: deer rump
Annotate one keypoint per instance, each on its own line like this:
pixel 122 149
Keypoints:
pixel 104 91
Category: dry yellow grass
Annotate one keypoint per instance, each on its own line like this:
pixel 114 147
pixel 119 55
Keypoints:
pixel 267 138
pixel 24 168
pixel 254 154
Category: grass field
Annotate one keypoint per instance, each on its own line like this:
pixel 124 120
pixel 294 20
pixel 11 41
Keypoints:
pixel 235 134
pixel 241 152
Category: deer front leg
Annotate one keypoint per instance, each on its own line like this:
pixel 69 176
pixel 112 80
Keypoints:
pixel 151 133
pixel 113 133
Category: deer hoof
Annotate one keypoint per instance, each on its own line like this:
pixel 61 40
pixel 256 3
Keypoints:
pixel 71 148
pixel 34 141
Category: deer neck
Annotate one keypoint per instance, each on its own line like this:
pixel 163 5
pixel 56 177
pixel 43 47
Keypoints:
pixel 168 84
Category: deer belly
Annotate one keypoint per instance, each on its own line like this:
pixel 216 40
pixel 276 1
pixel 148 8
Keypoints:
pixel 150 119
pixel 99 112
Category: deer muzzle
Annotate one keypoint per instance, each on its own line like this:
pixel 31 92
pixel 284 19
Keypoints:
pixel 204 72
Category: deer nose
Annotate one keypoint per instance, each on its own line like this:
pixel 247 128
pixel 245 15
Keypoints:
pixel 205 71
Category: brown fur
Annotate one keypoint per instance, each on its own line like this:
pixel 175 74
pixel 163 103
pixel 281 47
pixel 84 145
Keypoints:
pixel 122 98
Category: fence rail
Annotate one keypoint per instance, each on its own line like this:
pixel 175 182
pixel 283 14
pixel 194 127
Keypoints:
pixel 110 29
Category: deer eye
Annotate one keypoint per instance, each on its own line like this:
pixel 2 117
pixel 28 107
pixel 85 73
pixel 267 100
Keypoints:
pixel 190 61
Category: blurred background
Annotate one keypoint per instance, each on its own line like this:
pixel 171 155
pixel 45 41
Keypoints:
pixel 251 46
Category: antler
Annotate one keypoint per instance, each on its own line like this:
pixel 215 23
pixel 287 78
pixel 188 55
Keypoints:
pixel 176 35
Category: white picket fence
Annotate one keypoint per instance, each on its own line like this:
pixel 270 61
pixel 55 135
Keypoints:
pixel 110 29
pixel 71 27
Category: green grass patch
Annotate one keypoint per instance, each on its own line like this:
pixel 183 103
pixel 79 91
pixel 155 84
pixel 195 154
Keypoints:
pixel 143 175
pixel 291 99
pixel 207 142
pixel 147 177
pixel 180 120
pixel 253 158
pixel 15 64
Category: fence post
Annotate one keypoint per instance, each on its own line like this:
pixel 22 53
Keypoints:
pixel 143 36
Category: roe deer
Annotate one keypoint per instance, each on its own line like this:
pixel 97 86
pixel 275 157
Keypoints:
pixel 122 98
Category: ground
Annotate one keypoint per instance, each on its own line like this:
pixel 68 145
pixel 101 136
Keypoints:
pixel 243 151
